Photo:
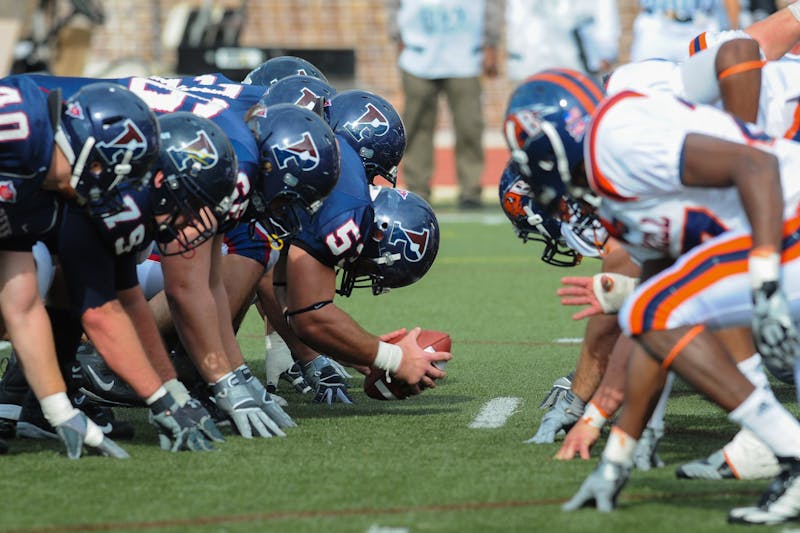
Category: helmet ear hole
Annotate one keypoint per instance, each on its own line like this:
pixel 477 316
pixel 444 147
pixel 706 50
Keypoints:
pixel 404 243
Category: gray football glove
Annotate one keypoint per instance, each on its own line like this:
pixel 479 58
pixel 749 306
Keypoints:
pixel 294 375
pixel 202 418
pixel 268 405
pixel 601 487
pixel 774 331
pixel 176 429
pixel 328 384
pixel 562 416
pixel 74 431
pixel 560 387
pixel 235 400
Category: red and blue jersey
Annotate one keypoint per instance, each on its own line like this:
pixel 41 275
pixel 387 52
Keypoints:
pixel 336 233
pixel 26 138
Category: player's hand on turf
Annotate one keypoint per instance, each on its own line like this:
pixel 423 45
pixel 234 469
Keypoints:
pixel 601 487
pixel 562 416
pixel 328 384
pixel 235 400
pixel 177 431
pixel 268 405
pixel 79 430
pixel 560 388
pixel 294 375
pixel 579 440
pixel 416 366
pixel 774 331
pixel 203 419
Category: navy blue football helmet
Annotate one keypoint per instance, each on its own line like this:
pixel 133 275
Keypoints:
pixel 300 163
pixel 306 91
pixel 374 129
pixel 546 120
pixel 198 169
pixel 567 238
pixel 109 135
pixel 280 67
pixel 402 247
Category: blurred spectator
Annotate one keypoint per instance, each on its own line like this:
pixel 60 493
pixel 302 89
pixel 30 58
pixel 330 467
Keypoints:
pixel 12 23
pixel 444 46
pixel 663 29
pixel 577 34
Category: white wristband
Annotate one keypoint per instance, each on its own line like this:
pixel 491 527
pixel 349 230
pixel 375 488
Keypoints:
pixel 795 10
pixel 764 268
pixel 388 357
pixel 612 297
pixel 593 416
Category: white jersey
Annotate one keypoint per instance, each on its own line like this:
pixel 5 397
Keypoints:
pixel 637 169
pixel 779 101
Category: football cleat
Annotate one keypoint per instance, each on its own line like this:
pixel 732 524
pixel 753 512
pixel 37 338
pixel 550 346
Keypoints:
pixel 98 382
pixel 712 467
pixel 13 388
pixel 744 457
pixel 33 425
pixel 780 502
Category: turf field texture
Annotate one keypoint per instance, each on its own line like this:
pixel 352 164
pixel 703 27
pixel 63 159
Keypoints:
pixel 415 465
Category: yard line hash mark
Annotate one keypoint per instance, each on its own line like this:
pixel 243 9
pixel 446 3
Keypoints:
pixel 495 413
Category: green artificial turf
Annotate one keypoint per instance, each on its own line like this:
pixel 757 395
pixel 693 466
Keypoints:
pixel 395 466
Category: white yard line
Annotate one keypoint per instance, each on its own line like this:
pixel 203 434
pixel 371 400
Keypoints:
pixel 495 413
pixel 569 340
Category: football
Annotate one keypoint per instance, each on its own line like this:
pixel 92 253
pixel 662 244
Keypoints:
pixel 377 387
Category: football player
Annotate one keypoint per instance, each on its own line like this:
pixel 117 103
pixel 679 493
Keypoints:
pixel 102 138
pixel 702 163
pixel 350 232
pixel 372 127
pixel 190 306
pixel 741 79
pixel 192 188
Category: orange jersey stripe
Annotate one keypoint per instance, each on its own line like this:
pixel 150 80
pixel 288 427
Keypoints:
pixel 652 308
pixel 698 44
pixel 791 133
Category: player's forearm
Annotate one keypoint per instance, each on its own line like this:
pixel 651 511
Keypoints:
pixel 139 312
pixel 196 321
pixel 333 332
pixel 227 335
pixel 601 334
pixel 114 336
pixel 611 390
pixel 776 34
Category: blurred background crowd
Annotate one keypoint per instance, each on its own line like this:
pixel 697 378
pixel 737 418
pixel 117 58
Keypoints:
pixel 350 40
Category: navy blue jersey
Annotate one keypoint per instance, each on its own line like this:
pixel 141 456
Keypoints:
pixel 336 233
pixel 26 138
pixel 92 270
pixel 131 229
pixel 224 103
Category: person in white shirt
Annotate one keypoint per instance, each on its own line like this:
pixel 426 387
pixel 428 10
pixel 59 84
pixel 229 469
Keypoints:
pixel 444 48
